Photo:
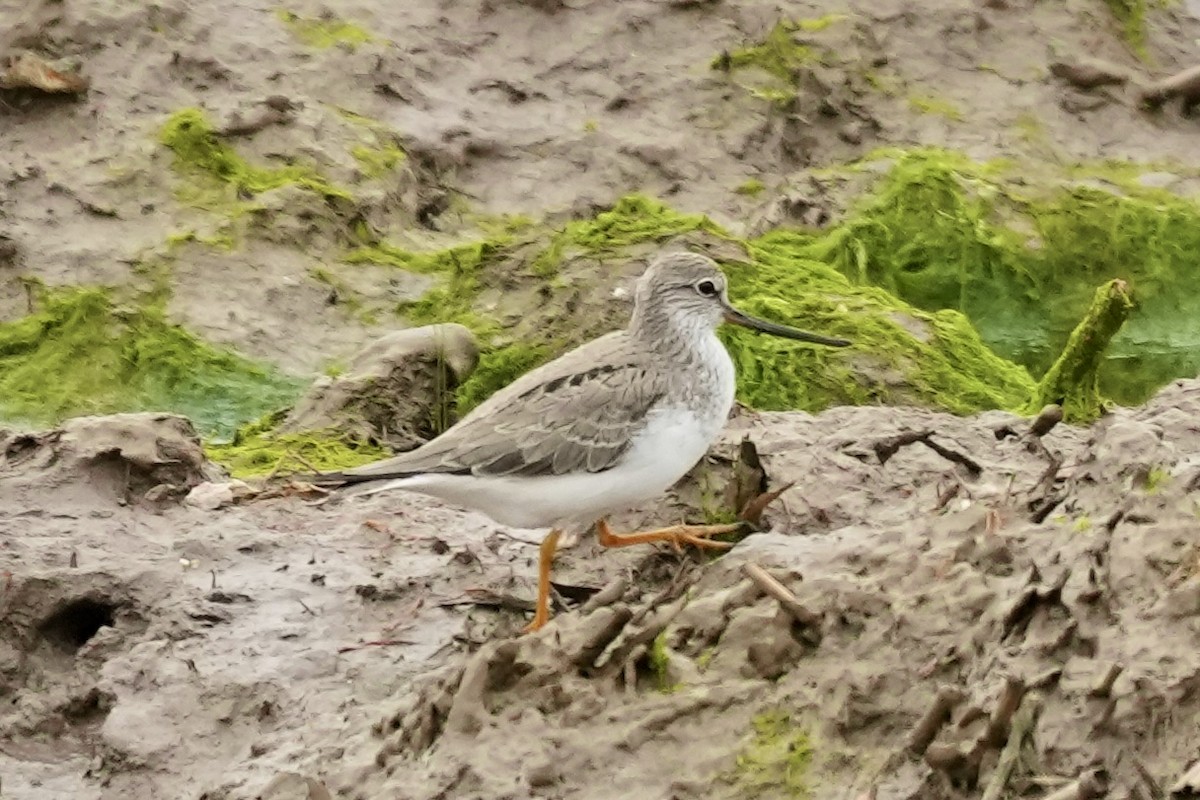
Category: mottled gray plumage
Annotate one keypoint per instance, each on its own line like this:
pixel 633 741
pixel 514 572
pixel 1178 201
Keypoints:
pixel 577 413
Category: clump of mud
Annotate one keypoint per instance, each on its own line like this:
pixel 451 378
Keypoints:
pixel 399 390
pixel 939 607
pixel 130 457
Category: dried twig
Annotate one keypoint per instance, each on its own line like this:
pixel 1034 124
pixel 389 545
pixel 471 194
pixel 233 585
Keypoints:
pixel 1106 714
pixel 1185 85
pixel 1090 785
pixel 608 595
pixel 1088 75
pixel 489 599
pixel 1010 700
pixel 787 601
pixel 886 448
pixel 1103 685
pixel 1023 723
pixel 1045 421
pixel 1156 792
pixel 350 648
pixel 752 511
pixel 935 717
pixel 1044 679
pixel 947 494
pixel 959 765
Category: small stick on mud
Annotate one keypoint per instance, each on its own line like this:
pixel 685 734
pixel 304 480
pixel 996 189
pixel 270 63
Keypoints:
pixel 961 767
pixel 602 629
pixel 886 448
pixel 1044 679
pixel 1103 685
pixel 935 717
pixel 1156 792
pixel 1185 85
pixel 1045 421
pixel 753 510
pixel 350 648
pixel 1023 723
pixel 788 601
pixel 1106 714
pixel 1010 700
pixel 1087 76
pixel 947 494
pixel 486 598
pixel 1090 785
pixel 608 595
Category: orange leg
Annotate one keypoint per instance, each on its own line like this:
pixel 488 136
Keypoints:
pixel 677 535
pixel 541 614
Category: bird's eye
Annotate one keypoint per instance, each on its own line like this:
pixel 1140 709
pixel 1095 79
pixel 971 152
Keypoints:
pixel 707 288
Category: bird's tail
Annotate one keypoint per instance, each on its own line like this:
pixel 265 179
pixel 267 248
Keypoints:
pixel 337 480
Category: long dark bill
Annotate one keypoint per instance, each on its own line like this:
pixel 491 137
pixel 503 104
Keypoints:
pixel 732 315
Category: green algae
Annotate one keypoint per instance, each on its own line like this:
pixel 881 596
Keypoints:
pixel 779 57
pixel 324 32
pixel 658 657
pixel 380 160
pixel 217 178
pixel 901 354
pixel 81 352
pixel 1073 381
pixel 936 106
pixel 1131 15
pixel 1021 257
pixel 751 188
pixel 777 762
pixel 778 54
pixel 634 219
pixel 1157 478
pixel 257 449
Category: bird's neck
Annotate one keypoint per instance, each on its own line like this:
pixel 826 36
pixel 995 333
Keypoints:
pixel 673 335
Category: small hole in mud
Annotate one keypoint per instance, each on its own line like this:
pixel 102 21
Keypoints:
pixel 74 624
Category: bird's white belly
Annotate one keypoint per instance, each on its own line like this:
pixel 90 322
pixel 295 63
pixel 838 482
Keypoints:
pixel 670 444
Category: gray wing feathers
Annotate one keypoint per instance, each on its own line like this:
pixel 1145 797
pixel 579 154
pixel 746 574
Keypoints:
pixel 580 415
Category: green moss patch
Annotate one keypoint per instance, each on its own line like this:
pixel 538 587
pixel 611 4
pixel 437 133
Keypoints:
pixel 378 160
pixel 1022 256
pixel 777 761
pixel 325 32
pixel 83 353
pixel 256 450
pixel 936 106
pixel 751 188
pixel 633 220
pixel 1131 16
pixel 778 59
pixel 217 178
pixel 901 354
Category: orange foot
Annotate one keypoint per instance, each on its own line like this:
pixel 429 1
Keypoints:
pixel 676 535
